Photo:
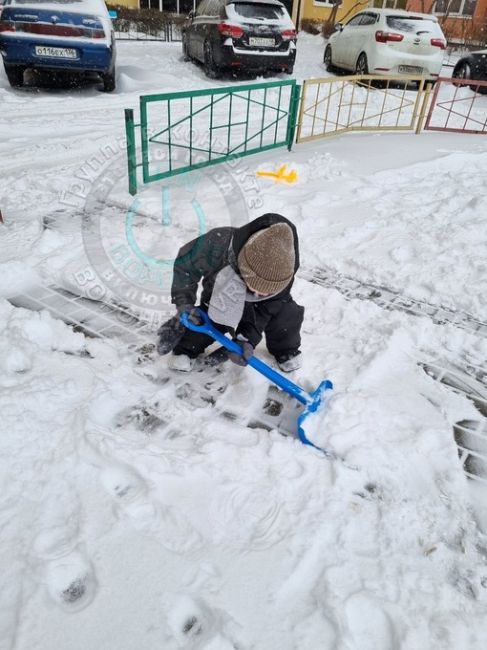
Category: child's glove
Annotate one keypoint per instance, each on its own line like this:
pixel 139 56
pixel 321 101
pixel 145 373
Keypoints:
pixel 193 313
pixel 247 352
pixel 170 333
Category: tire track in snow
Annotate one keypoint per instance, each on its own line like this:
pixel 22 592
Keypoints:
pixel 67 154
pixel 106 320
pixel 470 435
pixel 465 378
pixel 392 300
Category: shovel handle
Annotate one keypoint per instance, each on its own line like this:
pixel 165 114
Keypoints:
pixel 283 382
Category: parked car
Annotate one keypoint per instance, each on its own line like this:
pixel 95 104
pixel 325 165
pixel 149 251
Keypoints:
pixel 472 66
pixel 58 35
pixel 387 42
pixel 233 34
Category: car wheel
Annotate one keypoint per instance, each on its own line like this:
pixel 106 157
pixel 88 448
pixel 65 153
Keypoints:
pixel 289 69
pixel 15 75
pixel 463 71
pixel 327 59
pixel 362 66
pixel 109 82
pixel 211 69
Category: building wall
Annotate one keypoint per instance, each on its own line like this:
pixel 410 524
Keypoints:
pixel 423 6
pixel 428 6
pixel 316 10
pixel 311 9
pixel 132 4
pixel 459 26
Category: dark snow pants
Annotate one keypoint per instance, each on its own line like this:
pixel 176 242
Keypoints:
pixel 279 319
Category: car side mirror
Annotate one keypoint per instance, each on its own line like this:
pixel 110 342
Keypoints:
pixel 338 27
pixel 113 14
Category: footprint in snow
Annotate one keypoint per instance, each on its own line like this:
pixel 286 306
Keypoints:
pixel 146 514
pixel 123 483
pixel 195 626
pixel 66 573
pixel 71 581
pixel 190 621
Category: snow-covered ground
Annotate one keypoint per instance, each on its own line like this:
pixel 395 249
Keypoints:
pixel 133 512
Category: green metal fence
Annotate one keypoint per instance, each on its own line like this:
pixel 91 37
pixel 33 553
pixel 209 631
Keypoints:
pixel 189 130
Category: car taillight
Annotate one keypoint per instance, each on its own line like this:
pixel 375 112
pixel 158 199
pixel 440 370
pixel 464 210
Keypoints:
pixel 384 37
pixel 288 34
pixel 64 31
pixel 230 30
pixel 7 26
pixel 53 30
pixel 438 42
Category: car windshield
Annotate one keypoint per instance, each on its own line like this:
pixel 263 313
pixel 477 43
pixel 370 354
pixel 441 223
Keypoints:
pixel 255 10
pixel 413 24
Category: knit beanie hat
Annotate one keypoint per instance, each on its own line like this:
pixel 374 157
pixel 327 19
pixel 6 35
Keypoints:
pixel 266 260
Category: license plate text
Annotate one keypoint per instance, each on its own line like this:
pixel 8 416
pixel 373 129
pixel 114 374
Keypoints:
pixel 58 52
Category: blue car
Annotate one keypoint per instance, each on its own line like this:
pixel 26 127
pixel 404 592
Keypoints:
pixel 75 36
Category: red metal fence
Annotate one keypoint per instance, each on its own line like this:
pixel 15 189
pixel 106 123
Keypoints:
pixel 458 106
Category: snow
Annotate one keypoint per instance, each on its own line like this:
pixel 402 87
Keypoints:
pixel 195 531
pixel 93 7
pixel 239 17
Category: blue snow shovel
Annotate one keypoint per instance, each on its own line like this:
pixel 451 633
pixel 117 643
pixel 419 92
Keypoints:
pixel 311 401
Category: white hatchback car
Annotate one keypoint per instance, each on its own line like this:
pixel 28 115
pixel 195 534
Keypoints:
pixel 387 42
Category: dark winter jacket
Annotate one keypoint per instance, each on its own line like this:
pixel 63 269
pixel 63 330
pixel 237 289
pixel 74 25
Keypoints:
pixel 204 257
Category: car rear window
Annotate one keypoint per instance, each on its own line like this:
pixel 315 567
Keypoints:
pixel 412 24
pixel 60 3
pixel 88 6
pixel 255 10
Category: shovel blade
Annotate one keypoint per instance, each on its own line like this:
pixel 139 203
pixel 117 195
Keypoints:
pixel 282 412
pixel 279 412
pixel 317 399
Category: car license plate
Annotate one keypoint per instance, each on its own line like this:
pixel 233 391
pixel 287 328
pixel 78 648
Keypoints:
pixel 262 42
pixel 410 69
pixel 58 52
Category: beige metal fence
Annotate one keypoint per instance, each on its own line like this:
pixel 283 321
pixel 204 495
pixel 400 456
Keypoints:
pixel 335 105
